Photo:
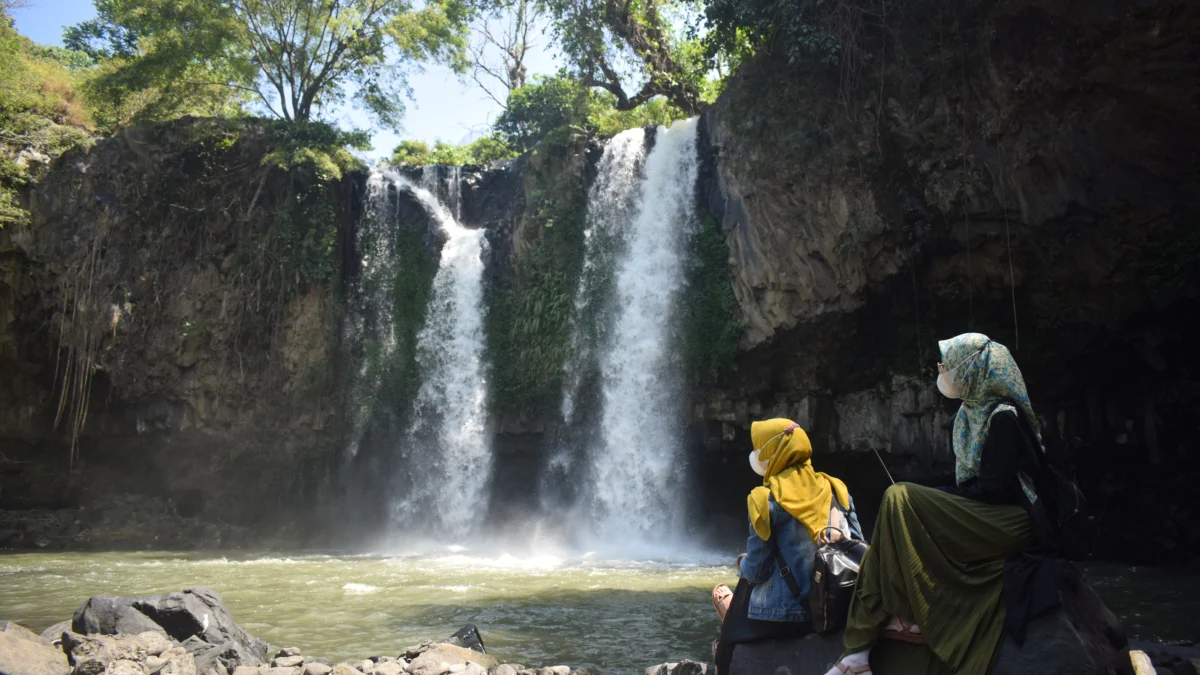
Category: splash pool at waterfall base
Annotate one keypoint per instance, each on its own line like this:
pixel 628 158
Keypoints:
pixel 578 610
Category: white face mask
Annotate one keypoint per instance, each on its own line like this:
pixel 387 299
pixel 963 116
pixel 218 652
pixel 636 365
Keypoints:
pixel 759 466
pixel 946 386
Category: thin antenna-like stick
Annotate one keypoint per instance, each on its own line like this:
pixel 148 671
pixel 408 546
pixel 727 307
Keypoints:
pixel 885 469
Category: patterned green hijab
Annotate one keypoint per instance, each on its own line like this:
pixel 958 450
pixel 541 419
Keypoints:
pixel 988 381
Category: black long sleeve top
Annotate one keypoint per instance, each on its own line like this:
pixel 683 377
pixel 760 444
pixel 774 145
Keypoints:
pixel 1008 449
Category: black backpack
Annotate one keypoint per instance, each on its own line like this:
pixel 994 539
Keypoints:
pixel 1060 512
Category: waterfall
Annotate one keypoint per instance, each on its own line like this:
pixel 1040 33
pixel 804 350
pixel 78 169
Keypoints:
pixel 611 207
pixel 638 228
pixel 445 453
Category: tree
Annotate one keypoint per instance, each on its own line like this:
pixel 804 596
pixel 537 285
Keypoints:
pixel 291 56
pixel 598 35
pixel 500 44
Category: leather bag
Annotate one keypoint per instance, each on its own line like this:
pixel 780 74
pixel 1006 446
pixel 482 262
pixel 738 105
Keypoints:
pixel 835 571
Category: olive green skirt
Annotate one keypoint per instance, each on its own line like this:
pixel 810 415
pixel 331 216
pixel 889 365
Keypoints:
pixel 936 560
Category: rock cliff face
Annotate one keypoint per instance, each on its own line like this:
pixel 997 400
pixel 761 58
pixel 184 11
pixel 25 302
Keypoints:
pixel 150 263
pixel 1023 169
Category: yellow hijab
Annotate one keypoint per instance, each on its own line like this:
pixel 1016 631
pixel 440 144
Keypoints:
pixel 802 492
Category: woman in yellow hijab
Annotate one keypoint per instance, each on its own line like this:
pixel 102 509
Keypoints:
pixel 792 509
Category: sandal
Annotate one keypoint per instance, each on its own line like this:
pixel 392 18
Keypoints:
pixel 721 595
pixel 904 633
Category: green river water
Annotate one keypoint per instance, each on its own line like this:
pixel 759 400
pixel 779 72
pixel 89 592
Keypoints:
pixel 618 615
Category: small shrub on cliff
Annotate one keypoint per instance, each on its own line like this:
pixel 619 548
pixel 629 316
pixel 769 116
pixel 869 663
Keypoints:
pixel 482 150
pixel 40 111
pixel 711 327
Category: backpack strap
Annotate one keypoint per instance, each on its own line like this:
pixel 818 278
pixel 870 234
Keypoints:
pixel 785 571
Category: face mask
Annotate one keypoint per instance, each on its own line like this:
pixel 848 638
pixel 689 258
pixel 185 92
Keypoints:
pixel 759 466
pixel 946 386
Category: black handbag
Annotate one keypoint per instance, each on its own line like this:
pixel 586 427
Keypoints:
pixel 835 571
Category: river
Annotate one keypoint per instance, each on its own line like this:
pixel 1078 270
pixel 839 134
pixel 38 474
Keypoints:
pixel 619 615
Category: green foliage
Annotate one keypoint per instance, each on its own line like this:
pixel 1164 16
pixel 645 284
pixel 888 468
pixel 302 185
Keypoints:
pixel 711 327
pixel 291 57
pixel 602 41
pixel 314 151
pixel 529 319
pixel 480 151
pixel 40 110
pixel 845 34
pixel 552 109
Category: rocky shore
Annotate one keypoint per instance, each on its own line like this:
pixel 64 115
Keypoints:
pixel 192 633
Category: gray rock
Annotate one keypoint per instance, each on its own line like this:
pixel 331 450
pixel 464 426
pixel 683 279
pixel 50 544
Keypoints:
pixel 288 661
pixel 468 636
pixel 686 667
pixel 317 669
pixel 108 615
pixel 54 633
pixel 430 661
pixel 245 670
pixel 124 667
pixel 388 668
pixel 18 631
pixel 366 665
pixel 287 651
pixel 504 669
pixel 279 671
pixel 560 670
pixel 24 653
pixel 343 669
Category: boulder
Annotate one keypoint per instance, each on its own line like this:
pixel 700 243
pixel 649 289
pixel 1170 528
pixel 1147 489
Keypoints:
pixel 288 661
pixel 430 661
pixel 107 615
pixel 24 653
pixel 504 669
pixel 196 617
pixel 468 636
pixel 287 651
pixel 343 669
pixel 54 633
pixel 317 669
pixel 1082 637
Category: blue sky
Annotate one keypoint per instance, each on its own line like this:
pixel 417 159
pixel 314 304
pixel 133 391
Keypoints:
pixel 444 107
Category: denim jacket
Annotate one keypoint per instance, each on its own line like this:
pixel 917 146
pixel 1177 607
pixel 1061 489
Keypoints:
pixel 771 599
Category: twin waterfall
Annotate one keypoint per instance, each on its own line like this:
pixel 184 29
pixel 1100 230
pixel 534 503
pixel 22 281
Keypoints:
pixel 622 409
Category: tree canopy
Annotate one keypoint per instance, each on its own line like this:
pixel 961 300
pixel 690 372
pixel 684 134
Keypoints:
pixel 290 57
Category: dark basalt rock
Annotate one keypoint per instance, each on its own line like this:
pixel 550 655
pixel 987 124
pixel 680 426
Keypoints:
pixel 468 637
pixel 196 618
pixel 1081 638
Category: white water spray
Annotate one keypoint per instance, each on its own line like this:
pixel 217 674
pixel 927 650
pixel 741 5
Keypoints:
pixel 448 444
pixel 636 467
pixel 611 207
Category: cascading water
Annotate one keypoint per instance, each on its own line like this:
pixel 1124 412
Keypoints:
pixel 612 203
pixel 636 460
pixel 446 451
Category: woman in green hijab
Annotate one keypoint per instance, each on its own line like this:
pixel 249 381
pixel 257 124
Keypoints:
pixel 934 572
